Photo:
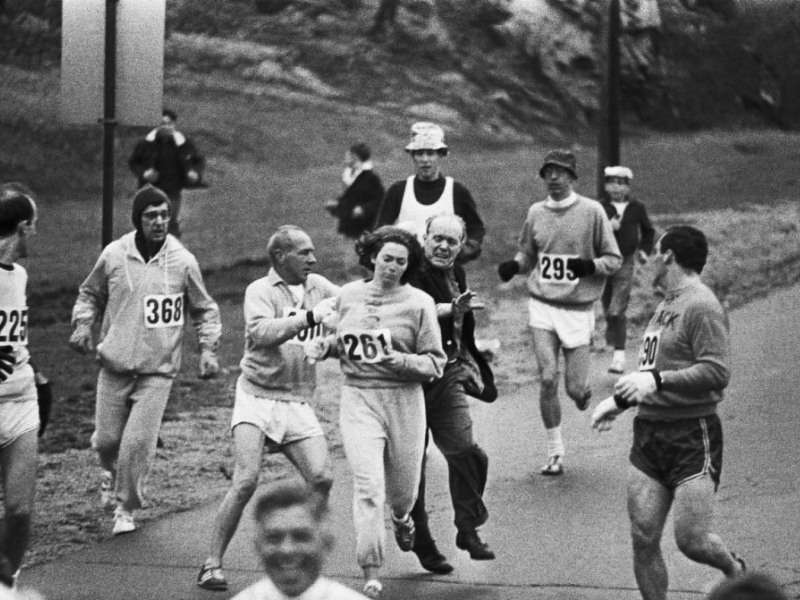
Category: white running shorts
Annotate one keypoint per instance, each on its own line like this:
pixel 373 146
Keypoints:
pixel 281 421
pixel 17 418
pixel 573 327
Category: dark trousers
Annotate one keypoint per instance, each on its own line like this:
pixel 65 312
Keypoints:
pixel 450 424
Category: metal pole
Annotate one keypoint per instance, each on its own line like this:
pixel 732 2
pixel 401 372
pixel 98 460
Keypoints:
pixel 109 120
pixel 608 136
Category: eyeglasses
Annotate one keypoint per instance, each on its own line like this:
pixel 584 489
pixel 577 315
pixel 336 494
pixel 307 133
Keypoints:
pixel 153 215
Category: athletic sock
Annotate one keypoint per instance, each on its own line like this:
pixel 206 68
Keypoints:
pixel 619 355
pixel 555 446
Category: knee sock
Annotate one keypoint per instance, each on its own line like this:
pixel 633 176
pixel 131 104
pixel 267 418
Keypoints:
pixel 619 355
pixel 555 447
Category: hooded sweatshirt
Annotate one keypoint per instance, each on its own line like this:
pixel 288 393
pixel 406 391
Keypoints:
pixel 144 305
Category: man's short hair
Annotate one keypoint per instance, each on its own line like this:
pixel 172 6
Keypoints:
pixel 751 586
pixel 17 205
pixel 361 150
pixel 287 494
pixel 456 218
pixel 168 112
pixel 281 240
pixel 688 244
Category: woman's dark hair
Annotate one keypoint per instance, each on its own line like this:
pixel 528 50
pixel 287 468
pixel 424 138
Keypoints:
pixel 368 246
pixel 361 150
pixel 689 246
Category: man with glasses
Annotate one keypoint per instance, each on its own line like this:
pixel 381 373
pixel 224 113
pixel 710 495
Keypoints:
pixel 143 288
pixel 410 202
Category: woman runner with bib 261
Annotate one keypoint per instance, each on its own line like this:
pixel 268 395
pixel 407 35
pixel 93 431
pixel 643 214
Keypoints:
pixel 389 343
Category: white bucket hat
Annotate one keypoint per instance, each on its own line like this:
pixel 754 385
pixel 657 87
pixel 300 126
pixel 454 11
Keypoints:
pixel 426 136
pixel 618 172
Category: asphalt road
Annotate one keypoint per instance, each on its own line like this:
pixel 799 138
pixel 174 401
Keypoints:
pixel 561 537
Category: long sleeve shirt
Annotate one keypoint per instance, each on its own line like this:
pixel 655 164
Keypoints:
pixel 404 319
pixel 143 305
pixel 687 342
pixel 551 235
pixel 276 327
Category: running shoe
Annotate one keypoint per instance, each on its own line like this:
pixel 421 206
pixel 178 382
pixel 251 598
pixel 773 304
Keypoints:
pixel 553 466
pixel 404 533
pixel 373 589
pixel 212 578
pixel 107 493
pixel 123 521
pixel 617 366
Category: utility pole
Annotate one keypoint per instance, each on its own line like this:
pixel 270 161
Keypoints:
pixel 608 136
pixel 109 120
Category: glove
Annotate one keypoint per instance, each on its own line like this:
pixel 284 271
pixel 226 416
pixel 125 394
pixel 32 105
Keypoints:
pixel 605 413
pixel 44 393
pixel 508 269
pixel 209 364
pixel 634 387
pixel 322 311
pixel 150 176
pixel 580 267
pixel 7 361
pixel 81 339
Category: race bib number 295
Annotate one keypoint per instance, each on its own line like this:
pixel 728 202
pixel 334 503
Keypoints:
pixel 163 310
pixel 553 270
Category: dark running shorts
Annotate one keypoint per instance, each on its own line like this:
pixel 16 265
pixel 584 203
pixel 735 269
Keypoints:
pixel 673 452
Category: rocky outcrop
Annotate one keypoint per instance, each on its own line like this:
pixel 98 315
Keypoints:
pixel 562 40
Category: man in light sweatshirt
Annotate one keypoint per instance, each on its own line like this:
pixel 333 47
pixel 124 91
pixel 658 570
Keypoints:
pixel 143 288
pixel 568 245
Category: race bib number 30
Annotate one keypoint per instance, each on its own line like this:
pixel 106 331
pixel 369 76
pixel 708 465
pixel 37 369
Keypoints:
pixel 370 346
pixel 163 310
pixel 305 335
pixel 13 325
pixel 553 270
pixel 647 361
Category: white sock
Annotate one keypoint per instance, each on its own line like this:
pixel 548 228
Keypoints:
pixel 555 447
pixel 619 355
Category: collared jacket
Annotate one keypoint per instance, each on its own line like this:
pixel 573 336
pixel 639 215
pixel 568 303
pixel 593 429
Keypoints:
pixel 275 329
pixel 173 156
pixel 434 282
pixel 144 305
pixel 635 230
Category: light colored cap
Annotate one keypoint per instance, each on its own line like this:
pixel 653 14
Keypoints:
pixel 426 136
pixel 618 172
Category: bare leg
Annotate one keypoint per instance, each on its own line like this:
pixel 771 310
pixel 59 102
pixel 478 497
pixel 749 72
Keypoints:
pixel 576 372
pixel 546 347
pixel 248 444
pixel 310 458
pixel 694 517
pixel 648 506
pixel 19 488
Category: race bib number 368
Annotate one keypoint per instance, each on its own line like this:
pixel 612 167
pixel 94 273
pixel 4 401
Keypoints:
pixel 163 310
pixel 370 346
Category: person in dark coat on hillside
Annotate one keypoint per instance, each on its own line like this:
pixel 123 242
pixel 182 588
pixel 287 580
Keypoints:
pixel 466 373
pixel 170 161
pixel 634 235
pixel 358 205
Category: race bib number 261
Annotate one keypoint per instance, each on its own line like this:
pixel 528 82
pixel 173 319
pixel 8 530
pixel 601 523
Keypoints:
pixel 366 346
